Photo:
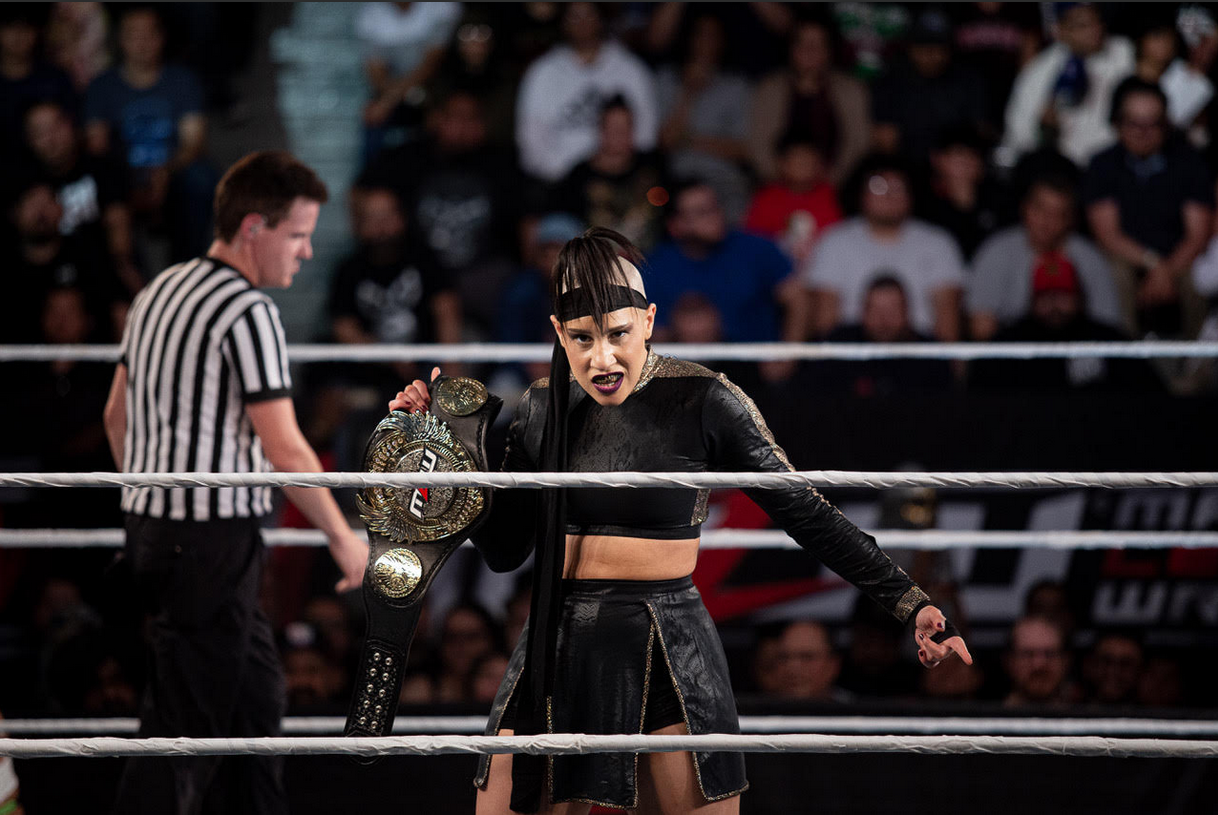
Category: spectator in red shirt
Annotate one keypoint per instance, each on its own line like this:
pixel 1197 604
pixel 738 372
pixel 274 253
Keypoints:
pixel 797 208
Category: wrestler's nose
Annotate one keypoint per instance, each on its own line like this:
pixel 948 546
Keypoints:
pixel 602 355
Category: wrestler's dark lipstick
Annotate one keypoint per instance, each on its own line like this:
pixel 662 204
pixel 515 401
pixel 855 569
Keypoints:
pixel 607 383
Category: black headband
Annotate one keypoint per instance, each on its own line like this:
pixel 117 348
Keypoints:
pixel 576 303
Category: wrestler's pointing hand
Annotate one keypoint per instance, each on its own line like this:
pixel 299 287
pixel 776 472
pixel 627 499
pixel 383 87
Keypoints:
pixel 930 622
pixel 414 398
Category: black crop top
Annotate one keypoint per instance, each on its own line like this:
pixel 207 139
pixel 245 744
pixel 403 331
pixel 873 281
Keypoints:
pixel 680 417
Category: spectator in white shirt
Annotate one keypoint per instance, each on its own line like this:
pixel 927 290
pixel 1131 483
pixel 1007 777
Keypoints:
pixel 924 258
pixel 562 93
pixel 1067 90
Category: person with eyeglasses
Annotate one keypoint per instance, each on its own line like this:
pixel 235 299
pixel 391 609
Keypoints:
pixel 1150 200
pixel 1037 663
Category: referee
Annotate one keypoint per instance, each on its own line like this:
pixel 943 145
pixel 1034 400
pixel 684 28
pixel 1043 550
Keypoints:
pixel 203 386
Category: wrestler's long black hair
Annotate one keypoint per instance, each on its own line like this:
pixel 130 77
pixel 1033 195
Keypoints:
pixel 590 263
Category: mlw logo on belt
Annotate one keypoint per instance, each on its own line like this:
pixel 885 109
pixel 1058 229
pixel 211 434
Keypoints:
pixel 419 497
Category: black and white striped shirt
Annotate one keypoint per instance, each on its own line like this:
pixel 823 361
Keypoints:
pixel 200 343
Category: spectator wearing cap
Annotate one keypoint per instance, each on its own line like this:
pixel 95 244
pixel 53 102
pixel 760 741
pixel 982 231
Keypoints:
pixel 797 208
pixel 925 93
pixel 961 197
pixel 1150 202
pixel 1057 315
pixel 561 95
pixel 814 99
pixel 885 236
pixel 1064 95
pixel 999 289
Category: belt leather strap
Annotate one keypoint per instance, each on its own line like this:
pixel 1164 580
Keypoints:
pixel 412 531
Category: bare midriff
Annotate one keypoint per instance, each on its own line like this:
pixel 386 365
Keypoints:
pixel 614 557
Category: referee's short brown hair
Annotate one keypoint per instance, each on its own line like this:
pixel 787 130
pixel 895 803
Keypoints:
pixel 264 183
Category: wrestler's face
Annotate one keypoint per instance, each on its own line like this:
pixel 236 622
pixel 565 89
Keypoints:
pixel 607 359
pixel 279 250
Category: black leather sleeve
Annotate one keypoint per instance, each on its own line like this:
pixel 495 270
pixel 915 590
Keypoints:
pixel 506 539
pixel 738 440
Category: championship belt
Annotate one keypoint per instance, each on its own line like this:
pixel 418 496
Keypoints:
pixel 413 530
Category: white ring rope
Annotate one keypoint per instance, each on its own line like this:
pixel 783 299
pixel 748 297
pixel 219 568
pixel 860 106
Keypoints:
pixel 580 744
pixel 740 351
pixel 920 539
pixel 807 478
pixel 845 725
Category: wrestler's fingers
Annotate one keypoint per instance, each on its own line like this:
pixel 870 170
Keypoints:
pixel 435 372
pixel 419 397
pixel 930 653
pixel 957 645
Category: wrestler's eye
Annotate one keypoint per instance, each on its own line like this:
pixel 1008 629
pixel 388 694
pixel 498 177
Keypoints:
pixel 581 339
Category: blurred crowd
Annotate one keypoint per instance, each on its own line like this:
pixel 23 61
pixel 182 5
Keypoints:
pixel 845 172
pixel 72 663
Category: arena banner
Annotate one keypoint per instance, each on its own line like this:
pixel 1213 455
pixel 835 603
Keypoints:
pixel 1172 593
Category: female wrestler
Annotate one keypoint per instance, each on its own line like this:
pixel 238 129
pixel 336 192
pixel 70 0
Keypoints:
pixel 618 640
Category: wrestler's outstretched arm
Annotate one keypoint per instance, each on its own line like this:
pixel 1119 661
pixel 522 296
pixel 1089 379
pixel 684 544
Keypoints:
pixel 738 440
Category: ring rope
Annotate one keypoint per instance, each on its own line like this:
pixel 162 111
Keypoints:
pixel 580 744
pixel 807 478
pixel 740 351
pixel 920 539
pixel 845 725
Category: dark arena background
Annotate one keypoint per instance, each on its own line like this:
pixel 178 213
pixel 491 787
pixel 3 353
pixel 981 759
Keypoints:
pixel 914 185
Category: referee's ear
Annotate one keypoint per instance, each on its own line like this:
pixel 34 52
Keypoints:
pixel 251 225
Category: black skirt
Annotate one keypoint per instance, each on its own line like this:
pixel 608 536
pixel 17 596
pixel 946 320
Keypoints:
pixel 622 644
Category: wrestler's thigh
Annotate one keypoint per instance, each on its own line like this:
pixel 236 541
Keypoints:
pixel 497 797
pixel 668 785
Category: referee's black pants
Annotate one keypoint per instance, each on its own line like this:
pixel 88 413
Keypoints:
pixel 213 671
